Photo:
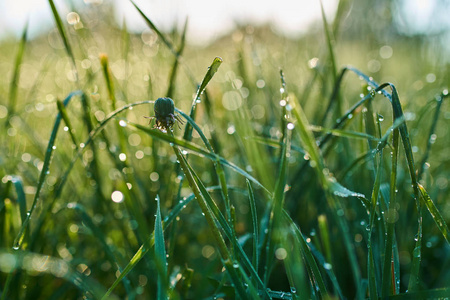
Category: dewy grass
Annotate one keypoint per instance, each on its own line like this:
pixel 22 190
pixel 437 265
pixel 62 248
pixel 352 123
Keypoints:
pixel 290 203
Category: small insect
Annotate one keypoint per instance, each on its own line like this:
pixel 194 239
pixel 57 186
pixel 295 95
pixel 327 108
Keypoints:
pixel 165 114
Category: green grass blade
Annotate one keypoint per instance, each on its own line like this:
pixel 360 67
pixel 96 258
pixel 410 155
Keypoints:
pixel 312 149
pixel 386 287
pixel 435 214
pixel 371 272
pixel 16 74
pixel 441 293
pixel 198 150
pixel 160 254
pixel 229 232
pixel 63 112
pixel 109 79
pixel 343 133
pixel 275 227
pixel 173 72
pixel 156 30
pixel 97 232
pixel 212 69
pixel 44 172
pixel 63 34
pixel 221 246
pixel 274 143
pixel 439 100
pixel 21 199
pixel 308 256
pixel 255 258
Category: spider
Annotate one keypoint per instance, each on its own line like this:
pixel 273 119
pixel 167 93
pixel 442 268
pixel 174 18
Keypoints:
pixel 165 114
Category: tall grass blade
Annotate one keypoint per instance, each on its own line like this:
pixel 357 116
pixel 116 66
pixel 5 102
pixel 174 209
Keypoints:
pixel 439 100
pixel 156 30
pixel 225 255
pixel 160 254
pixel 16 74
pixel 316 276
pixel 435 214
pixel 44 172
pixel 62 110
pixel 255 257
pixel 21 199
pixel 212 69
pixel 229 232
pixel 63 34
pixel 173 72
pixel 316 160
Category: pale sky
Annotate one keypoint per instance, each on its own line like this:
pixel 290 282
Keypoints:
pixel 207 18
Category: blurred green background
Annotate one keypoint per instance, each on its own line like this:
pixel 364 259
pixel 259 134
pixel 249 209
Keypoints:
pixel 239 113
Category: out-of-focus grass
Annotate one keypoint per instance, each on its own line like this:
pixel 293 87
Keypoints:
pixel 314 182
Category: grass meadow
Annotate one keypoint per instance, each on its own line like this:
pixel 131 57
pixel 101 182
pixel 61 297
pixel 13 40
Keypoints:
pixel 314 167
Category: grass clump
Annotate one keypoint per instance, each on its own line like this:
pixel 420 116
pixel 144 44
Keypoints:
pixel 303 188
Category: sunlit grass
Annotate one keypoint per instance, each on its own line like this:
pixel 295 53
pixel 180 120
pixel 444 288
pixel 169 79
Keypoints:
pixel 292 178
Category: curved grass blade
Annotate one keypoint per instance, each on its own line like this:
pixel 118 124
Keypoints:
pixel 45 168
pixel 198 150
